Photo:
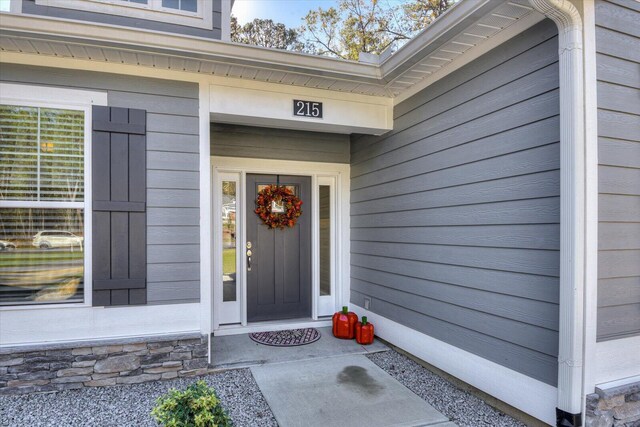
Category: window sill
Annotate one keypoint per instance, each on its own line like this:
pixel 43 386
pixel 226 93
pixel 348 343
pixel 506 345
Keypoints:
pixel 45 306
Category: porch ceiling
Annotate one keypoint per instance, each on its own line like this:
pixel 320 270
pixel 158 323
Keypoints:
pixel 467 30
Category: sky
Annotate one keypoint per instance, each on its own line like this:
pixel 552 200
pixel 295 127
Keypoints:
pixel 289 12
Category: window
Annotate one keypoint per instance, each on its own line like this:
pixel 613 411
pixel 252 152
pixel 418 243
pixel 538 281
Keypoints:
pixel 325 239
pixel 229 236
pixel 42 227
pixel 193 13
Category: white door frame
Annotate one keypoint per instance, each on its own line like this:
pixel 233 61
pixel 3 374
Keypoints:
pixel 335 174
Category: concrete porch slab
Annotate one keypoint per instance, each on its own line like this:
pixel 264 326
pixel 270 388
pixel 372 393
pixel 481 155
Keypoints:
pixel 347 390
pixel 239 351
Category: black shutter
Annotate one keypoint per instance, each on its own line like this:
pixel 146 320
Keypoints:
pixel 119 206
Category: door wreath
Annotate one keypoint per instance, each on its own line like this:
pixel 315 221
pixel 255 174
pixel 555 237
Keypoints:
pixel 278 207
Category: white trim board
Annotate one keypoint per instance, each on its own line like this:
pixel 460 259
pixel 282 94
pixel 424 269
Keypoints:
pixel 527 394
pixel 51 324
pixel 591 201
pixel 267 104
pixel 617 359
pixel 270 326
pixel 206 267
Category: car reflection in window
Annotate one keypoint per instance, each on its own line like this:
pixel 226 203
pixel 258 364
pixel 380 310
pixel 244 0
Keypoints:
pixel 57 239
pixel 49 268
pixel 5 245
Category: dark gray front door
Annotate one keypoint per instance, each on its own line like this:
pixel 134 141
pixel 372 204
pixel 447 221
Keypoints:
pixel 279 282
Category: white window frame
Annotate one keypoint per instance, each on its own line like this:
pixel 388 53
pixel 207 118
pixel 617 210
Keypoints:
pixel 69 99
pixel 326 304
pixel 229 312
pixel 321 174
pixel 153 10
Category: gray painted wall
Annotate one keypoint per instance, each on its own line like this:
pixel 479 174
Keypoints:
pixel 257 142
pixel 30 7
pixel 173 250
pixel 618 72
pixel 455 213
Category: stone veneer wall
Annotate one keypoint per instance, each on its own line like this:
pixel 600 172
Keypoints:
pixel 105 363
pixel 618 406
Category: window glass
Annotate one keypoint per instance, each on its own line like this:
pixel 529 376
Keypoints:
pixel 41 154
pixel 41 246
pixel 229 241
pixel 325 240
pixel 186 5
pixel 189 5
pixel 41 255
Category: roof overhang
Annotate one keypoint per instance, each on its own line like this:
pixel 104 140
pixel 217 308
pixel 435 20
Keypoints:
pixel 466 31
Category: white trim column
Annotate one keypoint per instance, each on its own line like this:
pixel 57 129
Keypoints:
pixel 206 264
pixel 591 200
pixel 572 203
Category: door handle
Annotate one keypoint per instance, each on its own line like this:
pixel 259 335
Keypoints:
pixel 249 253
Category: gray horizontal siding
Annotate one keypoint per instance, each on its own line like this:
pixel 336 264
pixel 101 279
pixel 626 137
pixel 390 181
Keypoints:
pixel 455 212
pixel 173 198
pixel 30 7
pixel 256 142
pixel 618 73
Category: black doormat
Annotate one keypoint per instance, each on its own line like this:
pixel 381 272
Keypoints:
pixel 288 338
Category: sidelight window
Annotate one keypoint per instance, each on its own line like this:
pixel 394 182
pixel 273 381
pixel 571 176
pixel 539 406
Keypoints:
pixel 229 237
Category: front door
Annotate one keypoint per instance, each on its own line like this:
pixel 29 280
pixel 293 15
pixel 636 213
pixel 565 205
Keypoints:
pixel 279 278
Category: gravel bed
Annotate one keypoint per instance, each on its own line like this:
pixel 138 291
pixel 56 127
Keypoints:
pixel 130 405
pixel 461 407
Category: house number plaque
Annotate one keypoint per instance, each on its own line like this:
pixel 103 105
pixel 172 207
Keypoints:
pixel 307 109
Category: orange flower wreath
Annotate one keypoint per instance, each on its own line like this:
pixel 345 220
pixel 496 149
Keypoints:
pixel 283 196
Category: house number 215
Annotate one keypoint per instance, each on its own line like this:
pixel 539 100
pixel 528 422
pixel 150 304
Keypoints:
pixel 307 109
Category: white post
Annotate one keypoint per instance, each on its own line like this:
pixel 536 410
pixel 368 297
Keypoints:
pixel 206 261
pixel 572 201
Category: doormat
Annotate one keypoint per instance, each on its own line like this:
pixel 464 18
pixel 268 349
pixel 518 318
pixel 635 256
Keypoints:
pixel 288 338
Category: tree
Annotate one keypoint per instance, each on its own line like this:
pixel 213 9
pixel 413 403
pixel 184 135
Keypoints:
pixel 421 13
pixel 266 33
pixel 355 26
pixel 369 26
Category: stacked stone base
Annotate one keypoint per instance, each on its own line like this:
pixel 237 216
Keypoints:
pixel 99 364
pixel 614 407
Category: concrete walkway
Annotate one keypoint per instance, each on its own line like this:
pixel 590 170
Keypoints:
pixel 327 383
pixel 345 390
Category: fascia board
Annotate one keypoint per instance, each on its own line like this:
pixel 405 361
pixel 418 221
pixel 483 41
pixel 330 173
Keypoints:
pixel 100 35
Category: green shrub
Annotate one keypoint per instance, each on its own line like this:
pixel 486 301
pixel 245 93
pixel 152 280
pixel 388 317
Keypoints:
pixel 196 406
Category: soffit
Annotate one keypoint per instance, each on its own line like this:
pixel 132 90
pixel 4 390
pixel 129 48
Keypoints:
pixel 471 26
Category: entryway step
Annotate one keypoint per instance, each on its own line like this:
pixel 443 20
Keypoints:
pixel 239 351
